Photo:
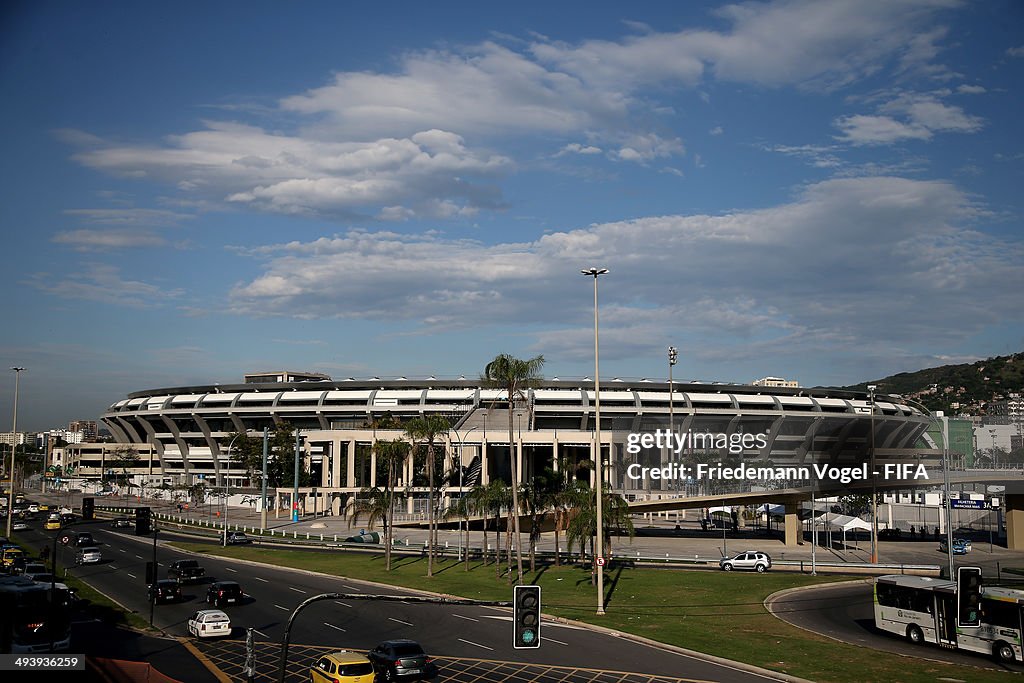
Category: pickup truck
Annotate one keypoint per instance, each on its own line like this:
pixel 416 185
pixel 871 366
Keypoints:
pixel 185 570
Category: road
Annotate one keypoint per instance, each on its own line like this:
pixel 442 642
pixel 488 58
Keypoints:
pixel 845 612
pixel 471 642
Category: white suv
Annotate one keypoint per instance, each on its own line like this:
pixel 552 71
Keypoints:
pixel 748 559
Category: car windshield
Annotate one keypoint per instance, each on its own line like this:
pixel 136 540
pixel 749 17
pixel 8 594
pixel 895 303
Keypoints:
pixel 408 650
pixel 361 669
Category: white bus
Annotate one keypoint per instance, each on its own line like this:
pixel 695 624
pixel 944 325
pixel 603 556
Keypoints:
pixel 924 610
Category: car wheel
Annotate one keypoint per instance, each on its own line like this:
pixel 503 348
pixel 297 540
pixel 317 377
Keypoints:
pixel 915 635
pixel 761 569
pixel 727 567
pixel 1004 652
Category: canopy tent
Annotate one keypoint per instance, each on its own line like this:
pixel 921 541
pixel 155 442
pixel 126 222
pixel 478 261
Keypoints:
pixel 844 523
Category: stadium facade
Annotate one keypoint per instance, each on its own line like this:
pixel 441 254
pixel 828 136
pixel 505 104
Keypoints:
pixel 553 427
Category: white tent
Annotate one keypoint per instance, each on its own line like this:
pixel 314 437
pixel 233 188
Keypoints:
pixel 842 522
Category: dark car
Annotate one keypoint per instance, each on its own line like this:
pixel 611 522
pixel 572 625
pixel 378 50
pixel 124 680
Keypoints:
pixel 185 570
pixel 238 538
pixel 223 593
pixel 121 523
pixel 395 660
pixel 84 539
pixel 165 590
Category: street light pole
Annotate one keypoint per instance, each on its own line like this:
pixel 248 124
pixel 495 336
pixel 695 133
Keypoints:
pixel 599 555
pixel 874 480
pixel 227 490
pixel 673 355
pixel 14 448
pixel 462 493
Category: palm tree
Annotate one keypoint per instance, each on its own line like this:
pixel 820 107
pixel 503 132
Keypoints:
pixel 376 505
pixel 391 454
pixel 427 429
pixel 583 519
pixel 513 375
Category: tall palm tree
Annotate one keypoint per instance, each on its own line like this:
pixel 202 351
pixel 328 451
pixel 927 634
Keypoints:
pixel 513 375
pixel 392 454
pixel 583 519
pixel 427 429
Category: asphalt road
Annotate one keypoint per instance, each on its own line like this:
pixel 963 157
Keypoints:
pixel 465 638
pixel 845 612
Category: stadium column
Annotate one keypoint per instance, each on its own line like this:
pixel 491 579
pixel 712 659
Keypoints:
pixel 350 465
pixel 1015 521
pixel 792 525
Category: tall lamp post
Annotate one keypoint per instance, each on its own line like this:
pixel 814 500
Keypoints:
pixel 673 355
pixel 14 448
pixel 874 481
pixel 462 492
pixel 599 556
pixel 227 490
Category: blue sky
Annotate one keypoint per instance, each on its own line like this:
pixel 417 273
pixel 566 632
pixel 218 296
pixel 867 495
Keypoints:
pixel 827 191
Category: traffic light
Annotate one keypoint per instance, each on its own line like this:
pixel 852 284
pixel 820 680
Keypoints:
pixel 88 509
pixel 526 617
pixel 143 522
pixel 968 597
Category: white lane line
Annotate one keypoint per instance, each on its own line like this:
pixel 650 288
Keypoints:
pixel 113 567
pixel 400 621
pixel 284 608
pixel 337 628
pixel 296 590
pixel 231 570
pixel 466 618
pixel 124 551
pixel 261 633
pixel 547 624
pixel 547 638
pixel 131 575
pixel 351 588
pixel 343 604
pixel 470 642
pixel 139 556
pixel 259 579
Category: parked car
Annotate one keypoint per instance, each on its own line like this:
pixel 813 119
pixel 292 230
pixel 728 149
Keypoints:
pixel 959 547
pixel 209 623
pixel 342 667
pixel 238 538
pixel 222 593
pixel 89 555
pixel 165 590
pixel 184 571
pixel 748 559
pixel 402 659
pixel 121 523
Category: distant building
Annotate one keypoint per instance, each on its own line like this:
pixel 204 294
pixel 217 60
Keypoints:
pixel 21 438
pixel 92 460
pixel 277 376
pixel 1007 411
pixel 775 382
pixel 88 428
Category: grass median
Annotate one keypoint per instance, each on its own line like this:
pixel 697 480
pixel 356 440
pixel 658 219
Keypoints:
pixel 714 612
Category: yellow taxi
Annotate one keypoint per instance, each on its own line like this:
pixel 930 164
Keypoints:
pixel 43 507
pixel 52 523
pixel 10 554
pixel 342 667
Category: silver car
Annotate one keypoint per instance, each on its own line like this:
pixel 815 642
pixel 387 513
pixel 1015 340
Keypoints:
pixel 88 555
pixel 748 559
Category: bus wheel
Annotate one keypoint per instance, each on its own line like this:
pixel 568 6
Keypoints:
pixel 1003 651
pixel 915 635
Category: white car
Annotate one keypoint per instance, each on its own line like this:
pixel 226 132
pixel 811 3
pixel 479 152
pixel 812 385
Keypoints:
pixel 209 623
pixel 88 555
pixel 19 526
pixel 33 508
pixel 748 559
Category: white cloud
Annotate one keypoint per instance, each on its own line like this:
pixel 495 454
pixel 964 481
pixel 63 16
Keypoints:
pixel 826 266
pixel 717 130
pixel 971 89
pixel 100 240
pixel 577 148
pixel 910 116
pixel 1016 51
pixel 878 130
pixel 103 284
pixel 130 216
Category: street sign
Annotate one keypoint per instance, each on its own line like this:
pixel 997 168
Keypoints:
pixel 601 561
pixel 965 504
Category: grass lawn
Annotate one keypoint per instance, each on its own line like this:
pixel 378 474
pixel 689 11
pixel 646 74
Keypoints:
pixel 714 612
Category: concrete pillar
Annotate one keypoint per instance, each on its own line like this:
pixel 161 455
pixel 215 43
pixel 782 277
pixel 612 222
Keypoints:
pixel 792 524
pixel 373 467
pixel 593 470
pixel 336 480
pixel 350 465
pixel 1015 521
pixel 485 470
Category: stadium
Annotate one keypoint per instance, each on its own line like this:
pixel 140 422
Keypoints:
pixel 189 428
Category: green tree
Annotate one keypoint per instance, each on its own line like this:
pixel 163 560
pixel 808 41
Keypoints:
pixel 427 429
pixel 125 457
pixel 391 454
pixel 583 523
pixel 376 504
pixel 513 375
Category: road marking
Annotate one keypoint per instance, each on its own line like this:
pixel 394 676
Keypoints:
pixel 547 624
pixel 400 621
pixel 139 556
pixel 259 579
pixel 112 566
pixel 343 604
pixel 256 630
pixel 470 642
pixel 296 590
pixel 284 608
pixel 351 588
pixel 132 575
pixel 211 667
pixel 337 628
pixel 230 569
pixel 547 638
pixel 123 550
pixel 466 618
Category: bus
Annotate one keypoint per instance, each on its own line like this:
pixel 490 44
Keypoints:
pixel 924 610
pixel 28 622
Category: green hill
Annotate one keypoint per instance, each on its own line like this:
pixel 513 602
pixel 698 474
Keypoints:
pixel 957 389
